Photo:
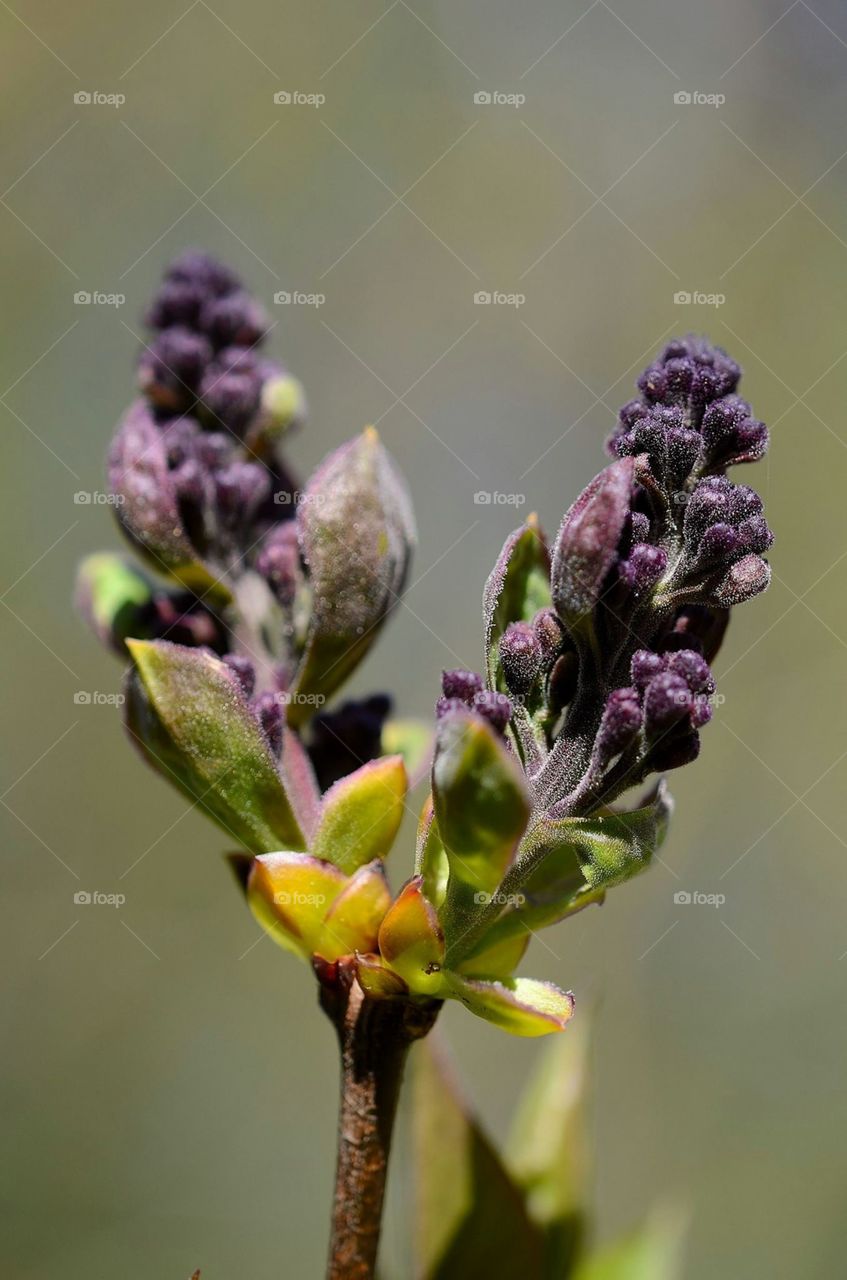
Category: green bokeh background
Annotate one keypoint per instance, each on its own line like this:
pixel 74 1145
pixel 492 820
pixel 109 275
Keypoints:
pixel 169 1087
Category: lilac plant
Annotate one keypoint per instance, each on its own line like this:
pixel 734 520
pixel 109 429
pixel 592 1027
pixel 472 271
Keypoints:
pixel 258 599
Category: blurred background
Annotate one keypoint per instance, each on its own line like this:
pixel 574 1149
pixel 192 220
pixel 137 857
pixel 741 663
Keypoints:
pixel 168 1085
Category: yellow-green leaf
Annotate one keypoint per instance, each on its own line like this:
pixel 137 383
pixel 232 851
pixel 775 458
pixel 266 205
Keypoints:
pixel 361 814
pixel 290 895
pixel 411 941
pixel 352 923
pixel 521 1006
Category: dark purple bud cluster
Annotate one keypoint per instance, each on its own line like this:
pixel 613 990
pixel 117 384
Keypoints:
pixel 465 691
pixel 644 569
pixel 343 740
pixel 202 358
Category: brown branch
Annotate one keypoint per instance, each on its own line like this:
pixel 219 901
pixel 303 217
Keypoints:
pixel 374 1037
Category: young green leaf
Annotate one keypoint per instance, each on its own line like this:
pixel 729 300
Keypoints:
pixel 187 715
pixel 481 800
pixel 290 895
pixel 411 941
pixel 548 1149
pixel 522 1006
pixel 470 1220
pixel 352 922
pixel 653 1252
pixel 361 814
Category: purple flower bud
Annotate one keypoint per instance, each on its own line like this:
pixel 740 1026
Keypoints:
pixel 644 666
pixel 549 634
pixel 643 567
pixel 189 481
pixel 676 750
pixel 231 398
pixel 496 708
pixel 344 739
pixel 177 303
pixel 694 670
pixel 701 712
pixel 170 369
pixel 239 488
pixel 640 527
pixel 464 685
pixel 587 544
pixel 718 542
pixel 520 657
pixel 754 534
pixel 279 562
pixel 214 449
pixel 743 580
pixel 243 670
pixel 234 319
pixel 204 272
pixel 267 708
pixel 667 701
pixel 620 725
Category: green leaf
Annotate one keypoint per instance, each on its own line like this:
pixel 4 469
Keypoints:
pixel 357 533
pixel 481 799
pixel 411 739
pixel 411 941
pixel 361 814
pixel 470 1221
pixel 431 861
pixel 111 593
pixel 192 723
pixel 548 1150
pixel 352 922
pixel 518 586
pixel 290 895
pixel 521 1006
pixel 574 861
pixel 653 1252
